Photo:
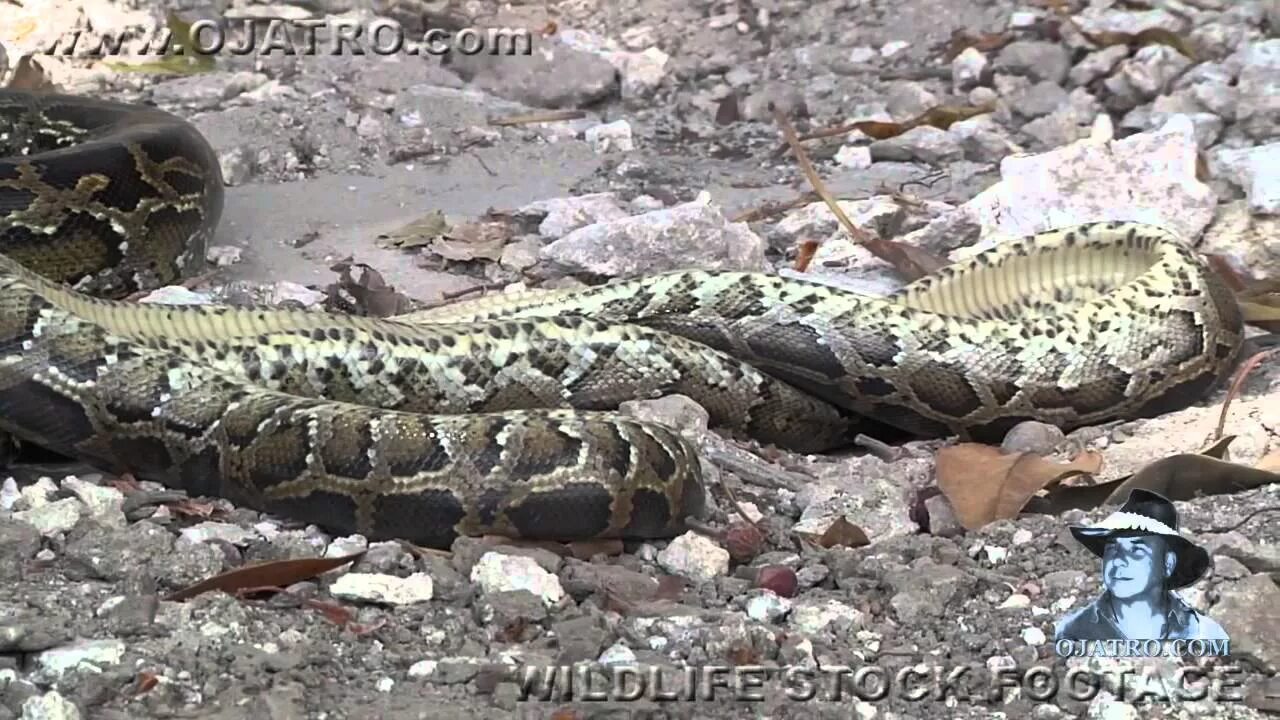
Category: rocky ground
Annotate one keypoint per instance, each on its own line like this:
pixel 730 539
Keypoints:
pixel 1167 112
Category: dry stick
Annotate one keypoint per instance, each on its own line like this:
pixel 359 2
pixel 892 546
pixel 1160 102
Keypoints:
pixel 888 252
pixel 1236 383
pixel 802 158
pixel 776 208
pixel 1247 518
pixel 541 117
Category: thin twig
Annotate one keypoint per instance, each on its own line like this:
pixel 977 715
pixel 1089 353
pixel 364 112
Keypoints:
pixel 1247 518
pixel 756 474
pixel 789 132
pixel 737 506
pixel 1236 382
pixel 882 450
pixel 539 117
pixel 777 208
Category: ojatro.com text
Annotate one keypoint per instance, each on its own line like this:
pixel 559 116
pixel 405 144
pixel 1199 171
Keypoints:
pixel 296 37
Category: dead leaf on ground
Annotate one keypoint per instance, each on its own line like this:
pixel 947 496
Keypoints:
pixel 1269 462
pixel 418 233
pixel 728 112
pixel 275 573
pixel 370 295
pixel 1183 476
pixel 839 533
pixel 482 240
pixel 143 684
pixel 1187 476
pixel 28 74
pixel 911 261
pixel 985 484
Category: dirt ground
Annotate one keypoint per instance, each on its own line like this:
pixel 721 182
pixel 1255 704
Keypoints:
pixel 332 157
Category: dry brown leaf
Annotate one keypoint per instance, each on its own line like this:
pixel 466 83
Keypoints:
pixel 370 295
pixel 985 484
pixel 911 261
pixel 418 233
pixel 28 74
pixel 473 241
pixel 144 683
pixel 843 532
pixel 1269 462
pixel 272 574
pixel 804 254
pixel 1188 475
pixel 728 112
pixel 1178 477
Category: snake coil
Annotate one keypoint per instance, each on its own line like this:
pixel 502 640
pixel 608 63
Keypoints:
pixel 497 415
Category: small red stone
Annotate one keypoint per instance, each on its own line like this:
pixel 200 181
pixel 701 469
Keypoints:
pixel 743 541
pixel 778 578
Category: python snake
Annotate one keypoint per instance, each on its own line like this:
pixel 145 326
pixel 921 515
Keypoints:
pixel 497 415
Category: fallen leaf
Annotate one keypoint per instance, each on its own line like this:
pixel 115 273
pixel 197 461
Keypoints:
pixel 985 484
pixel 805 251
pixel 728 112
pixel 144 683
pixel 473 241
pixel 1269 462
pixel 28 74
pixel 275 573
pixel 1188 475
pixel 909 260
pixel 370 295
pixel 840 533
pixel 418 233
pixel 1178 477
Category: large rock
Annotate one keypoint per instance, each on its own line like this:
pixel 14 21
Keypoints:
pixel 692 235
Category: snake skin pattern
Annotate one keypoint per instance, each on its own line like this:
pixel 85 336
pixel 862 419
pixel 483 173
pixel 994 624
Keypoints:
pixel 496 415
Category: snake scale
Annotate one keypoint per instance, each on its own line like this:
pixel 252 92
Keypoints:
pixel 498 415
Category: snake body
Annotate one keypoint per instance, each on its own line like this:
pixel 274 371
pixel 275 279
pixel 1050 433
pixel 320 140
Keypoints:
pixel 497 415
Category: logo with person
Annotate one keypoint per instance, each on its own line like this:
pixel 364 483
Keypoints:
pixel 1145 560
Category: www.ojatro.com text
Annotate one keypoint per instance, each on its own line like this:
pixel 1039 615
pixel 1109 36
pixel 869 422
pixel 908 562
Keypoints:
pixel 300 37
pixel 873 683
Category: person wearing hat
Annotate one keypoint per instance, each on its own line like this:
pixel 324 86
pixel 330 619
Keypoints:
pixel 1144 559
